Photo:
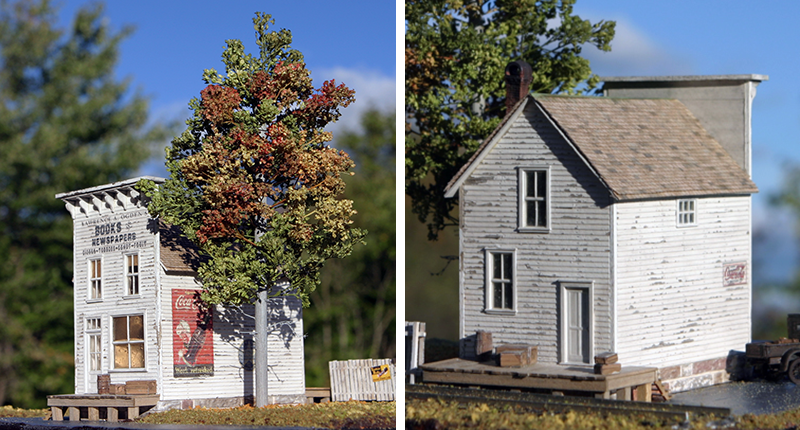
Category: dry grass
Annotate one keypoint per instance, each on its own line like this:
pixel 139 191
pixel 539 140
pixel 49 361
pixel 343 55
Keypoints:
pixel 10 411
pixel 333 415
pixel 433 414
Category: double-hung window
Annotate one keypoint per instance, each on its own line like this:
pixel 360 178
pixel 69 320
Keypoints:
pixel 687 212
pixel 534 205
pixel 95 279
pixel 500 291
pixel 132 274
pixel 94 338
pixel 129 342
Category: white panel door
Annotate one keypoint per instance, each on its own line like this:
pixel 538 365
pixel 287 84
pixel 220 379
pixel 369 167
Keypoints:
pixel 577 325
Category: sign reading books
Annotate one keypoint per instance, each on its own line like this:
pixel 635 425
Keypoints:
pixel 192 335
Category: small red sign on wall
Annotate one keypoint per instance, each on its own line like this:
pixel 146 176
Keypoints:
pixel 192 335
pixel 734 274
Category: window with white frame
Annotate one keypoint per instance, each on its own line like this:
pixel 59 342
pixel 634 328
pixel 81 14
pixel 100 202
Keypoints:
pixel 500 280
pixel 132 273
pixel 95 344
pixel 534 210
pixel 95 279
pixel 129 342
pixel 687 212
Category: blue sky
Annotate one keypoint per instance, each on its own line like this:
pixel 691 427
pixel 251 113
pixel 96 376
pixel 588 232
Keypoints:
pixel 715 37
pixel 174 41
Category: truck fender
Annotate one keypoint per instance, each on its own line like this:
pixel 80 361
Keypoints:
pixel 788 357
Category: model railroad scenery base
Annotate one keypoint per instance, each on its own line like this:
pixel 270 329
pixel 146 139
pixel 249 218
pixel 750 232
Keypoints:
pixel 542 403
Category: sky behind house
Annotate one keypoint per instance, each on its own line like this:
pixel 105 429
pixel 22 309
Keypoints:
pixel 715 37
pixel 174 41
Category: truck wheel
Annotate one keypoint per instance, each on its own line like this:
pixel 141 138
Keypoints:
pixel 794 371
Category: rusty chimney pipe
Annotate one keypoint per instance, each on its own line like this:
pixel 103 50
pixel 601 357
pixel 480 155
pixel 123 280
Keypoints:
pixel 518 79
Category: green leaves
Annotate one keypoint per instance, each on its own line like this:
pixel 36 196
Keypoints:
pixel 253 181
pixel 455 57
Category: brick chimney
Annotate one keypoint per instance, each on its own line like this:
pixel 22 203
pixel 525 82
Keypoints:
pixel 518 81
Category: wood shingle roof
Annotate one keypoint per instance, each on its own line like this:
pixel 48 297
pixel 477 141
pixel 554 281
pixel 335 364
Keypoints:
pixel 639 148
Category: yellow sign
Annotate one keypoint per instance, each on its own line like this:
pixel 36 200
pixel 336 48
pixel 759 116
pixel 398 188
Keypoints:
pixel 381 373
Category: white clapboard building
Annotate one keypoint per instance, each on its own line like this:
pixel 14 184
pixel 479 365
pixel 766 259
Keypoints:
pixel 618 223
pixel 136 317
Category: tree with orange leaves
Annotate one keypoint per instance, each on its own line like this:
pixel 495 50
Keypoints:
pixel 253 181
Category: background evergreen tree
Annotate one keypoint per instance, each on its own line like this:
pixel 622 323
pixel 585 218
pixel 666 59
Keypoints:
pixel 66 123
pixel 353 311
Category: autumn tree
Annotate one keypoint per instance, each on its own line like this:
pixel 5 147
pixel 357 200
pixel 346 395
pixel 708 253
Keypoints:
pixel 253 180
pixel 66 123
pixel 455 56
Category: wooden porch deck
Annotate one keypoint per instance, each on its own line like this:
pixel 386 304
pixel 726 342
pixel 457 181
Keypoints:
pixel 98 405
pixel 631 383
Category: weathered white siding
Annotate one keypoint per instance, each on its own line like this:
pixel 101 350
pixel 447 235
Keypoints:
pixel 233 351
pixel 130 235
pixel 673 307
pixel 111 222
pixel 577 248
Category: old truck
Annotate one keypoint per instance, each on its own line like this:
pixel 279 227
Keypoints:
pixel 778 357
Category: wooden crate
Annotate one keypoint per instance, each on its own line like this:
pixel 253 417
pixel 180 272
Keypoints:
pixel 147 386
pixel 516 355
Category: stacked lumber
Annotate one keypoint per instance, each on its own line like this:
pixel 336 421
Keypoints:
pixel 606 363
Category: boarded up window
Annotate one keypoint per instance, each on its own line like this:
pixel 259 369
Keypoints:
pixel 129 342
pixel 95 279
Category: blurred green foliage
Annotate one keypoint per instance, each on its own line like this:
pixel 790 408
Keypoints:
pixel 352 313
pixel 66 123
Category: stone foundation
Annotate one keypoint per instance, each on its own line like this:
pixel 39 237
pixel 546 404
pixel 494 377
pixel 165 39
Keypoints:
pixel 704 373
pixel 225 402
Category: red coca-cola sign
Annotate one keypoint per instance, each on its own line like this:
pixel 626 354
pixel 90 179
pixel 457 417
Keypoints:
pixel 734 274
pixel 192 335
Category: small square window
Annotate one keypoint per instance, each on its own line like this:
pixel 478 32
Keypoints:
pixel 687 212
pixel 95 279
pixel 500 293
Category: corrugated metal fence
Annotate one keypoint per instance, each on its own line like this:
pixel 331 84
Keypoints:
pixel 362 380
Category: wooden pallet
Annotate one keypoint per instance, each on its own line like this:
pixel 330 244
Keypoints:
pixel 97 405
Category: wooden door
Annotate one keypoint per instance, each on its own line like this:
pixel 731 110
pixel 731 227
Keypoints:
pixel 577 330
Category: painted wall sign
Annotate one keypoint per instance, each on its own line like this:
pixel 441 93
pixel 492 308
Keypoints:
pixel 112 233
pixel 734 274
pixel 381 373
pixel 192 336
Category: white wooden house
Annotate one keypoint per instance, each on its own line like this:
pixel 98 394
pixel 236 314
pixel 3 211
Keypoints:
pixel 618 223
pixel 136 317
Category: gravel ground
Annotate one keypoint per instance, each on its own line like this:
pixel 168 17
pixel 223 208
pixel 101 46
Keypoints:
pixel 759 397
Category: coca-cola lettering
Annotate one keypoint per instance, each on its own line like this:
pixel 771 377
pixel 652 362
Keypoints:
pixel 184 302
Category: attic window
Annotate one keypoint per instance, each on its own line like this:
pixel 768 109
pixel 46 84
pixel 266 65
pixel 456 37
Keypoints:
pixel 687 213
pixel 534 207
